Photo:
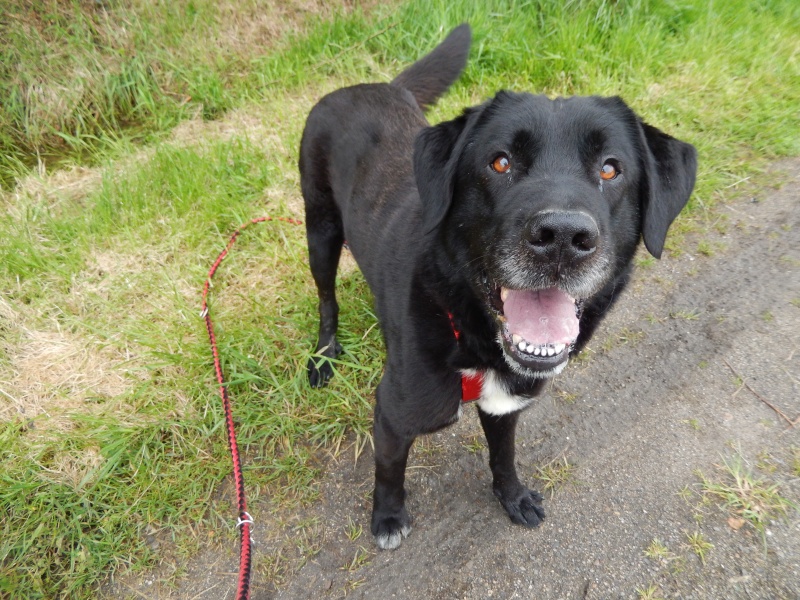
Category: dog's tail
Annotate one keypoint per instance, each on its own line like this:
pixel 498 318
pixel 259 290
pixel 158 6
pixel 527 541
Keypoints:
pixel 431 76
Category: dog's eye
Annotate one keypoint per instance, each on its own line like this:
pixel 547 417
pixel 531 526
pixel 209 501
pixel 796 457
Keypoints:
pixel 501 164
pixel 609 170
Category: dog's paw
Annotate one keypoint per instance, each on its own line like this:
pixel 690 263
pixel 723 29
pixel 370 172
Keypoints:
pixel 525 508
pixel 390 531
pixel 320 369
pixel 319 372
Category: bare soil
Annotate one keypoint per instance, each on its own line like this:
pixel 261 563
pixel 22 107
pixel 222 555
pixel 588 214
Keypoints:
pixel 656 400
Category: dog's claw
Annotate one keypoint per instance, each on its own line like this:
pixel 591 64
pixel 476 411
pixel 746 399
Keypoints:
pixel 525 509
pixel 390 531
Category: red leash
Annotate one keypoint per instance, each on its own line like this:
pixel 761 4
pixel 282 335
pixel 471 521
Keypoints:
pixel 470 390
pixel 245 520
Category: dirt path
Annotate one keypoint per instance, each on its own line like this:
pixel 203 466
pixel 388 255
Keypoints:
pixel 655 403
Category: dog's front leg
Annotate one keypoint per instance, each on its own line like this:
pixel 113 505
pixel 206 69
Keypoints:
pixel 523 506
pixel 390 520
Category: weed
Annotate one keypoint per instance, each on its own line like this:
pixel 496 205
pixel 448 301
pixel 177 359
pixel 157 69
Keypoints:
pixel 623 337
pixel 677 565
pixel 766 462
pixel 686 493
pixel 556 474
pixel 687 315
pixel 426 447
pixel 652 319
pixel 790 260
pixel 767 316
pixel 699 545
pixel 583 358
pixel 354 584
pixel 360 559
pixel 705 248
pixel 307 538
pixel 693 423
pixel 353 530
pixel 475 444
pixel 273 567
pixel 644 261
pixel 745 495
pixel 651 592
pixel 657 551
pixel 566 396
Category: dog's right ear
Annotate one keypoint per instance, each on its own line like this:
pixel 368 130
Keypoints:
pixel 436 153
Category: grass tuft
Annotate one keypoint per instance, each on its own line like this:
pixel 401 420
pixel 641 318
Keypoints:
pixel 556 474
pixel 698 544
pixel 747 496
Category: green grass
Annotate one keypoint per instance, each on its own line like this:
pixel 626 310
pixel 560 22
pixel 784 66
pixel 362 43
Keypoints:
pixel 745 495
pixel 111 425
pixel 698 544
pixel 556 474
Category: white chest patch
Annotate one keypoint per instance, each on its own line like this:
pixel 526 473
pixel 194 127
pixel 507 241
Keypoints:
pixel 495 399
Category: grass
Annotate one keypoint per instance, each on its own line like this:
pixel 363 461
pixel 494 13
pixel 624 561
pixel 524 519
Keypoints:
pixel 135 136
pixel 556 474
pixel 658 551
pixel 360 559
pixel 755 500
pixel 698 544
pixel 651 592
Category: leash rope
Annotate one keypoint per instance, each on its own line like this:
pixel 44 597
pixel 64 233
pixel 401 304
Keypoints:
pixel 244 521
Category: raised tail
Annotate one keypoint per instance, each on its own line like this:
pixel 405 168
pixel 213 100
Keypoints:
pixel 431 76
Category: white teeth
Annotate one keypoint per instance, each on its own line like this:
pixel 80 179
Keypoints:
pixel 537 350
pixel 503 294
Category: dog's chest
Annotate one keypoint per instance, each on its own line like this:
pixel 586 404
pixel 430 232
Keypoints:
pixel 494 398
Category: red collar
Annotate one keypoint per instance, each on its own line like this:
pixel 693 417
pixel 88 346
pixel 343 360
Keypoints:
pixel 471 384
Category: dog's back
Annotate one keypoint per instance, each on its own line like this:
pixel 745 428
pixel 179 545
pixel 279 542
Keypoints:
pixel 357 146
pixel 357 179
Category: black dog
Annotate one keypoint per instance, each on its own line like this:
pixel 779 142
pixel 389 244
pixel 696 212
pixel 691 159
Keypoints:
pixel 493 243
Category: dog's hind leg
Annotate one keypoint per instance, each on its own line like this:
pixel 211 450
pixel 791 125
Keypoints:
pixel 325 238
pixel 390 520
pixel 523 506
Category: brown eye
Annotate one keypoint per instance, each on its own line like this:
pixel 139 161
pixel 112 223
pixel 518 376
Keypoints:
pixel 501 164
pixel 609 171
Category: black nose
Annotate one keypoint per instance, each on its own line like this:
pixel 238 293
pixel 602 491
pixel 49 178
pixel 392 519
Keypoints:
pixel 563 236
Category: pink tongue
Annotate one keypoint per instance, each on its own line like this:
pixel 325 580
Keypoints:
pixel 541 317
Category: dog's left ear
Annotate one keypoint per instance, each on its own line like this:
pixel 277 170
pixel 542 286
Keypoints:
pixel 436 153
pixel 670 170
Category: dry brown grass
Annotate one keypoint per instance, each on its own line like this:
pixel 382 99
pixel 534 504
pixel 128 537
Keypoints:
pixel 54 374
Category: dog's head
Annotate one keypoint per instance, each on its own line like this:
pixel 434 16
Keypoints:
pixel 541 203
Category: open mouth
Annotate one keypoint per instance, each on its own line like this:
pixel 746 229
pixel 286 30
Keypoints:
pixel 538 328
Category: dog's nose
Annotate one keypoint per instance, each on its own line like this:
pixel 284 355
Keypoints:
pixel 563 236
